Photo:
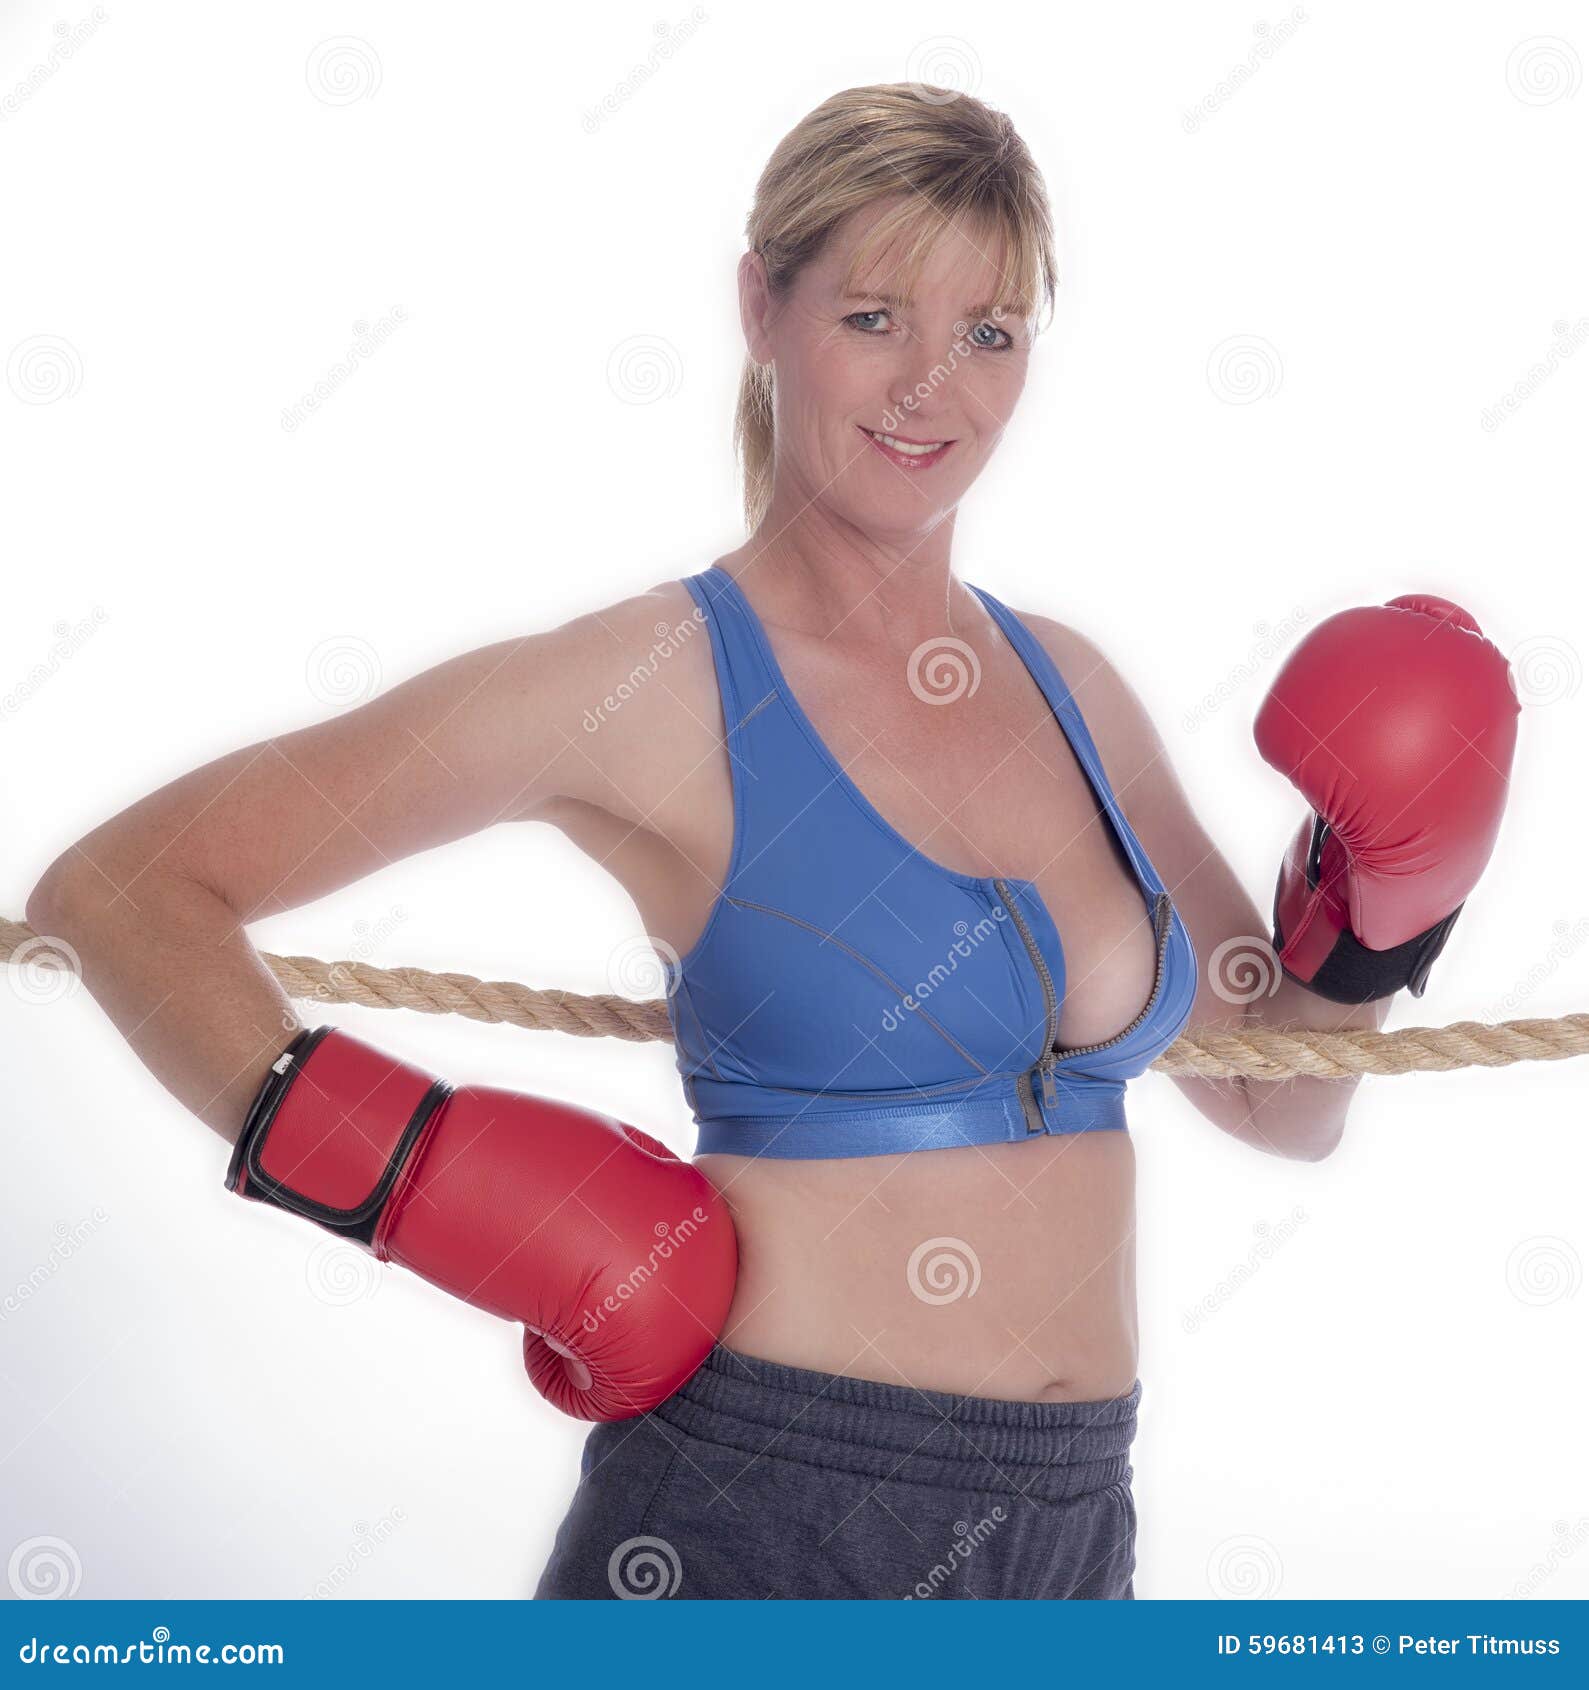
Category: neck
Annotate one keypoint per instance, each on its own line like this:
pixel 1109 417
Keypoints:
pixel 808 570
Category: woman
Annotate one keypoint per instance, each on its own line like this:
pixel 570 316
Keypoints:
pixel 929 891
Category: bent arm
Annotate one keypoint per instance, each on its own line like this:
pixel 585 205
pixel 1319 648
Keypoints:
pixel 155 900
pixel 1302 1118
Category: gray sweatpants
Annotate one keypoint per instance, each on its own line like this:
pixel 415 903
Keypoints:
pixel 759 1480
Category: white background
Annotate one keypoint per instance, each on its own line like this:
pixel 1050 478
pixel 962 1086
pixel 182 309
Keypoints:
pixel 1386 219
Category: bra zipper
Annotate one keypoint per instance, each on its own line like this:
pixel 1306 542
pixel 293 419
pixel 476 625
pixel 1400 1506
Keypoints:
pixel 1034 1119
pixel 1053 1052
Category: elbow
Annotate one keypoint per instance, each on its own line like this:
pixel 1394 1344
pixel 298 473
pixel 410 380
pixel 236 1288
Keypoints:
pixel 1315 1146
pixel 49 903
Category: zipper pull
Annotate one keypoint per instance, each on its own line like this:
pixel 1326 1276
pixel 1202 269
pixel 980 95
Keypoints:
pixel 1050 1091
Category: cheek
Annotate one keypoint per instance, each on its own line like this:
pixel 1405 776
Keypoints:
pixel 993 388
pixel 828 386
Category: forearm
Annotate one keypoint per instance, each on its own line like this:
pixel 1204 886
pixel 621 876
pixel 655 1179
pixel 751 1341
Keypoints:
pixel 177 975
pixel 1302 1117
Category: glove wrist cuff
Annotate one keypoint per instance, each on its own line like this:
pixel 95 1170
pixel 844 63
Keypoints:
pixel 331 1131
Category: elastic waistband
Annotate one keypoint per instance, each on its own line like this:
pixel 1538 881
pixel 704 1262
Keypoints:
pixel 1048 1451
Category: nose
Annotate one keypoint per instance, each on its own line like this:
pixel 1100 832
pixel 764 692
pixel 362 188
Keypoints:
pixel 923 381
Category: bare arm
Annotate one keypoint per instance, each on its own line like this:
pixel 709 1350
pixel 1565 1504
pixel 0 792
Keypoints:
pixel 155 900
pixel 1302 1117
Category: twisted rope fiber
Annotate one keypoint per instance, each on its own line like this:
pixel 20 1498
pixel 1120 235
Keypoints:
pixel 1259 1053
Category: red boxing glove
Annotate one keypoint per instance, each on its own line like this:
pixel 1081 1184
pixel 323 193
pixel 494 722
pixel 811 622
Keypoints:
pixel 618 1257
pixel 1397 723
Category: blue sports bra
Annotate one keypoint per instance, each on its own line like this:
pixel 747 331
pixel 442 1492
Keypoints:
pixel 848 995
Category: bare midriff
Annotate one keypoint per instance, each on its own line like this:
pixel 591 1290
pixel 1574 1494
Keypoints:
pixel 1004 1270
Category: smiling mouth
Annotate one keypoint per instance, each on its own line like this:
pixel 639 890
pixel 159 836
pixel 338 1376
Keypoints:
pixel 908 454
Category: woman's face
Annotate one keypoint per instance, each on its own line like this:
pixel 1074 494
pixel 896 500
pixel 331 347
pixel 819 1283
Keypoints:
pixel 866 380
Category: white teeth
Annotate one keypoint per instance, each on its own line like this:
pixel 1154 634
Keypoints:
pixel 904 446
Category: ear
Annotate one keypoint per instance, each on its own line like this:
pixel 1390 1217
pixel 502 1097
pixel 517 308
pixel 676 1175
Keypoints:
pixel 755 306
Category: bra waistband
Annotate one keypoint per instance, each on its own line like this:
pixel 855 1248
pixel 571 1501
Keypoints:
pixel 833 1127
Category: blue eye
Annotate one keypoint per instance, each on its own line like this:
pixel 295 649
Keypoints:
pixel 993 345
pixel 854 319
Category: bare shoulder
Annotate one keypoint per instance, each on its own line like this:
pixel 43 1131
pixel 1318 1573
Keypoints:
pixel 636 696
pixel 1117 718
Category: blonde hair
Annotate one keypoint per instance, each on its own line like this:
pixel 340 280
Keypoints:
pixel 948 154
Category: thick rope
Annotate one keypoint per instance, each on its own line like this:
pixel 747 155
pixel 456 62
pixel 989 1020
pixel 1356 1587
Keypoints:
pixel 1260 1053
